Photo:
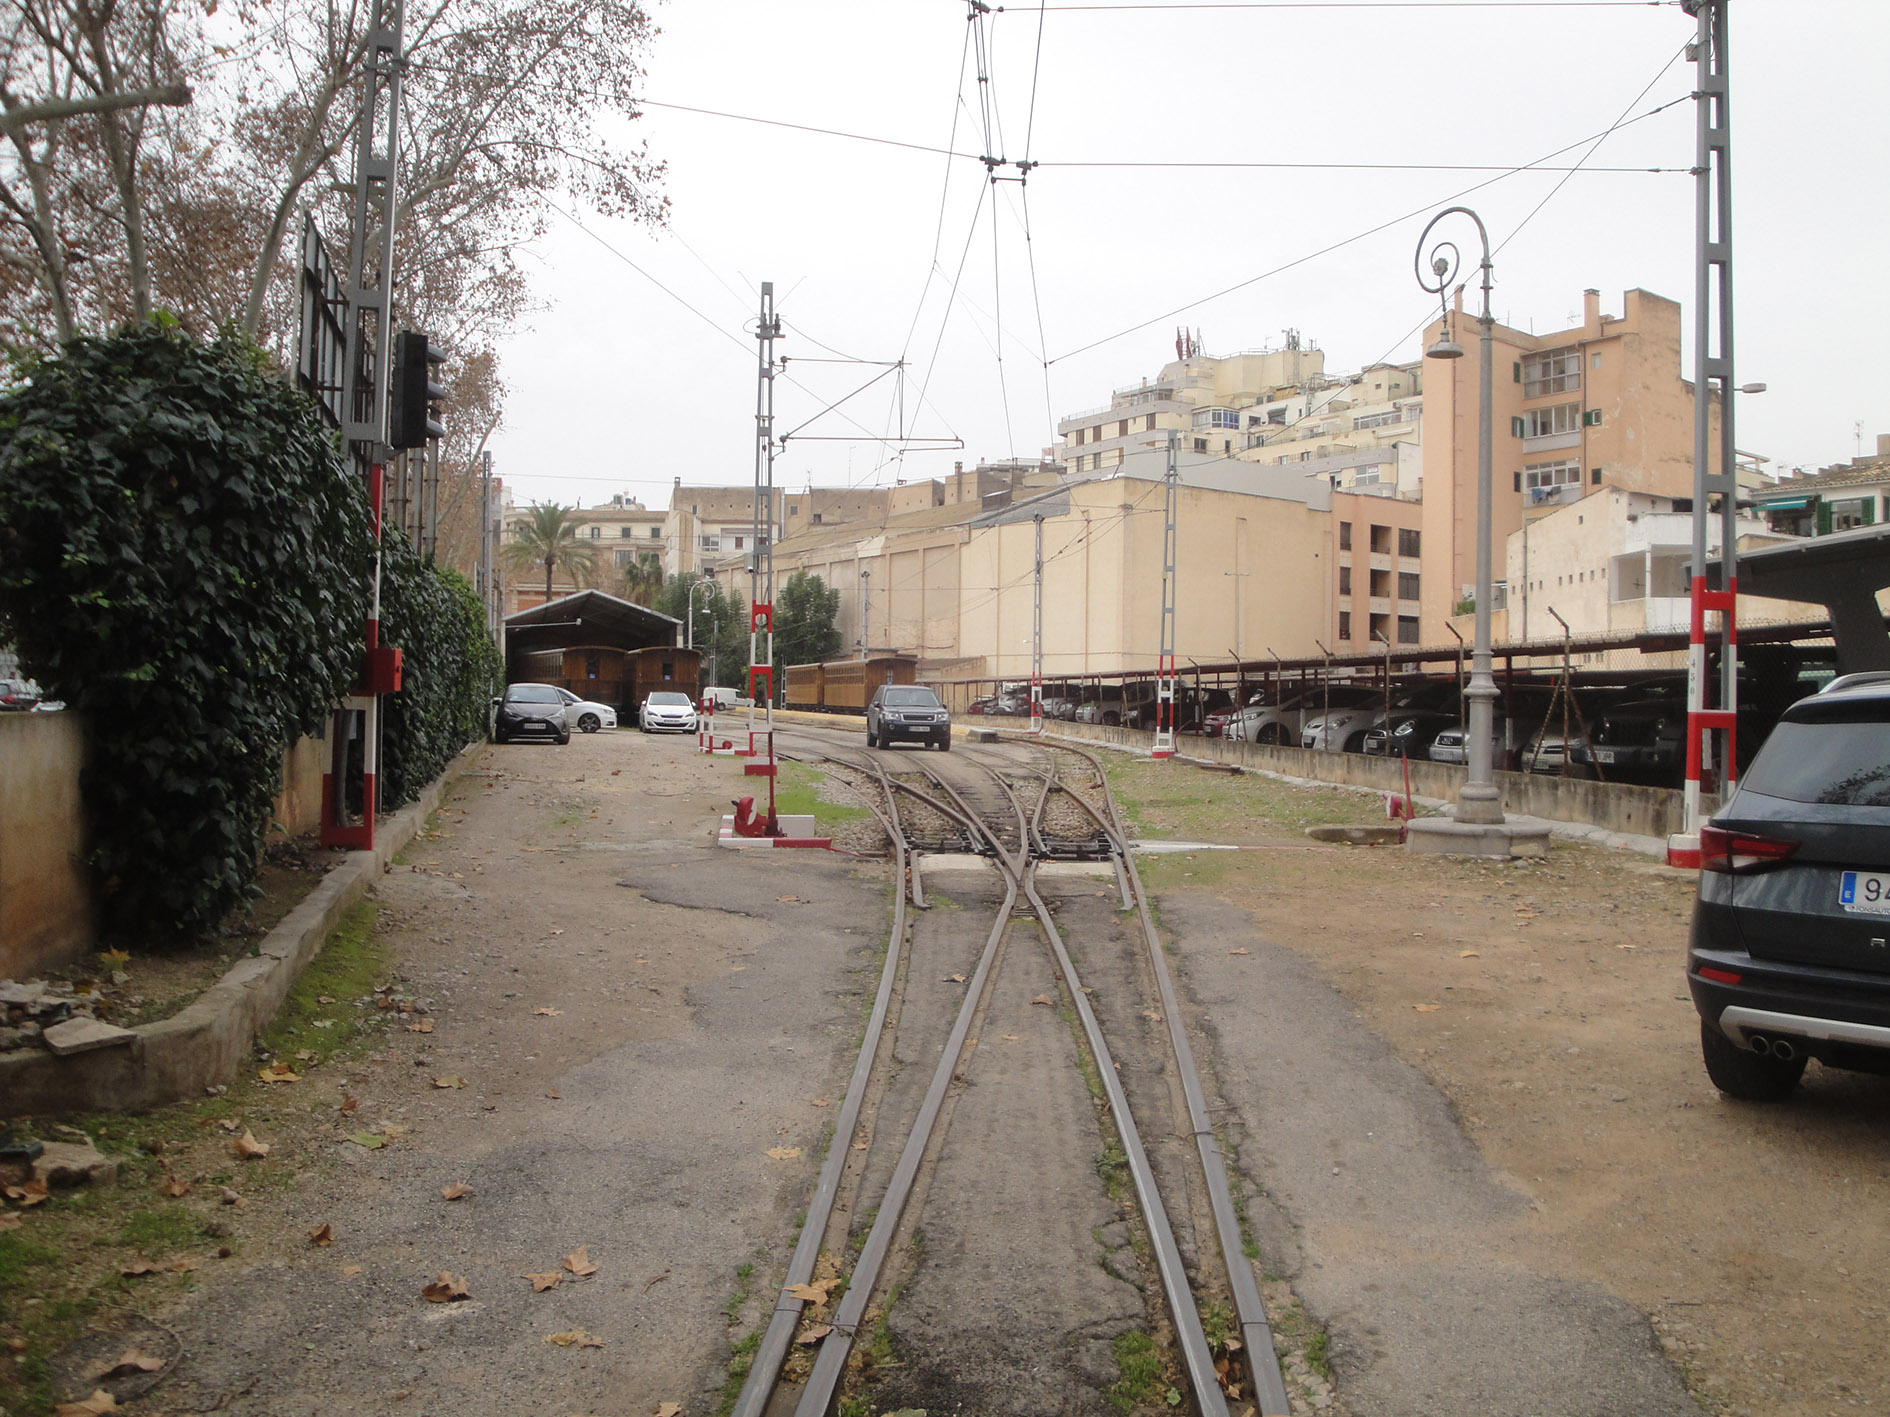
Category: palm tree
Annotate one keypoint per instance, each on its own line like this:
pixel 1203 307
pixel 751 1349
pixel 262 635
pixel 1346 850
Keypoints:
pixel 547 536
pixel 643 579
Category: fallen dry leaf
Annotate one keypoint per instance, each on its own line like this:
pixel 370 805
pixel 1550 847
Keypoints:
pixel 579 1263
pixel 391 1129
pixel 818 1102
pixel 815 1293
pixel 813 1334
pixel 445 1290
pixel 861 1145
pixel 669 1409
pixel 323 1234
pixel 175 1187
pixel 953 979
pixel 424 1025
pixel 9 1220
pixel 1043 999
pixel 131 1362
pixel 137 1267
pixel 1468 954
pixel 348 1104
pixel 229 1124
pixel 547 1013
pixel 791 899
pixel 31 1193
pixel 349 1270
pixel 183 1266
pixel 555 1095
pixel 99 1401
pixel 784 1153
pixel 1427 1008
pixel 542 1282
pixel 1240 952
pixel 1010 1037
pixel 573 1338
pixel 368 1140
pixel 247 1147
pixel 454 1081
pixel 323 999
pixel 230 1197
pixel 458 1191
pixel 654 1280
pixel 279 1072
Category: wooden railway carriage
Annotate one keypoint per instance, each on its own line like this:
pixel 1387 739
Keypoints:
pixel 618 677
pixel 845 685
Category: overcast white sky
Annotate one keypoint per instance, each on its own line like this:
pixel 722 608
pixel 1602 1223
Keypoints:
pixel 632 375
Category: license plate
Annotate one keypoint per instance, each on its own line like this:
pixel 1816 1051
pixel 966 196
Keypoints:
pixel 1604 755
pixel 1866 892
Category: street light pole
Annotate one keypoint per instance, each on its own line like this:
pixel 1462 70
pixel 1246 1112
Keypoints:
pixel 1479 828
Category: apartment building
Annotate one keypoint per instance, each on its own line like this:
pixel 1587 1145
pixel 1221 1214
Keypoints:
pixel 1837 498
pixel 1600 404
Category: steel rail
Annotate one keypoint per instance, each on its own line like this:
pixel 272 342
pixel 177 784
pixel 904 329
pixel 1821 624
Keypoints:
pixel 835 1348
pixel 1197 1353
pixel 779 1335
pixel 1263 1362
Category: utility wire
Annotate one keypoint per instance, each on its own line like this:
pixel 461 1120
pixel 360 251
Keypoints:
pixel 1346 241
pixel 1591 150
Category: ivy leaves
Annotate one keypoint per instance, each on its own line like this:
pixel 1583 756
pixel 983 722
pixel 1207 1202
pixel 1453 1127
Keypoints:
pixel 183 561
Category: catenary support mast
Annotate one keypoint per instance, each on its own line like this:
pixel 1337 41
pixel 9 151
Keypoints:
pixel 364 414
pixel 1165 666
pixel 1712 749
pixel 761 568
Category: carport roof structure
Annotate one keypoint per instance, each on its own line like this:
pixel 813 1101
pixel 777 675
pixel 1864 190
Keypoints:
pixel 590 617
pixel 1843 571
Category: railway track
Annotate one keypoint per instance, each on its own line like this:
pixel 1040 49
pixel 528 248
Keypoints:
pixel 1022 809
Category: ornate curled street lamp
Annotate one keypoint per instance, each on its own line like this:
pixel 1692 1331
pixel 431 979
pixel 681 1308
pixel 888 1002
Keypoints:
pixel 1479 828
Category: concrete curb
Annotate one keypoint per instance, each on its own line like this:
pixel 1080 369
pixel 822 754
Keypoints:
pixel 205 1044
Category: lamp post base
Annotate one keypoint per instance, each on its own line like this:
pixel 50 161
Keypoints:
pixel 1495 841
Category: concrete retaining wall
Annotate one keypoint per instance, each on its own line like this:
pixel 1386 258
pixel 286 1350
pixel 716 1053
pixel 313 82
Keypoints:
pixel 208 1042
pixel 46 911
pixel 1611 806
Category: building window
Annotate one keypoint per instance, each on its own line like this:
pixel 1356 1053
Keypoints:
pixel 1379 625
pixel 623 531
pixel 1345 580
pixel 1122 429
pixel 1554 371
pixel 1407 629
pixel 1200 445
pixel 711 543
pixel 1076 437
pixel 1345 624
pixel 1551 474
pixel 1148 422
pixel 738 543
pixel 1407 585
pixel 1381 541
pixel 817 518
pixel 1217 418
pixel 1547 422
pixel 669 669
pixel 1380 420
pixel 1345 536
pixel 1380 583
pixel 655 532
pixel 1409 539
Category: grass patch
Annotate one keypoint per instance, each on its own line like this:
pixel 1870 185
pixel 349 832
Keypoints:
pixel 1173 800
pixel 798 790
pixel 740 1359
pixel 1112 1165
pixel 1140 1364
pixel 63 1263
pixel 349 967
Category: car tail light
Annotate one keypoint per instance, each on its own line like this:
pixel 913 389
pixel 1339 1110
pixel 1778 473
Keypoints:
pixel 1720 976
pixel 1733 853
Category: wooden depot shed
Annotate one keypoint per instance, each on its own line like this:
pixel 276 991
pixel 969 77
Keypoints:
pixel 601 648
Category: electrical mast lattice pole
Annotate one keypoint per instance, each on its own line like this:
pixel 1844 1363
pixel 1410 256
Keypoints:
pixel 1165 666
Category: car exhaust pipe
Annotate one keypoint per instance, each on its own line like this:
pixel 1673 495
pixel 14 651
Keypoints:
pixel 1760 1044
pixel 1783 1050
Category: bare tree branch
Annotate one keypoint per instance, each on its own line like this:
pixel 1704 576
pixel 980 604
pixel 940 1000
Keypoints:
pixel 168 95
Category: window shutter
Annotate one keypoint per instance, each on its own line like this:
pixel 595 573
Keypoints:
pixel 1824 518
pixel 1516 371
pixel 1595 477
pixel 1591 418
pixel 1516 427
pixel 1518 481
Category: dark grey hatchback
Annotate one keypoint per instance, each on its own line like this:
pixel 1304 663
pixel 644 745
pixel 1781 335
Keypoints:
pixel 908 711
pixel 1790 951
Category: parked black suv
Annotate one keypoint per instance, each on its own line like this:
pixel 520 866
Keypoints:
pixel 528 711
pixel 909 711
pixel 1790 951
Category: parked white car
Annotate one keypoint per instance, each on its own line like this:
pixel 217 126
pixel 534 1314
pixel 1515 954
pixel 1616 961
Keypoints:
pixel 1270 723
pixel 667 711
pixel 1333 726
pixel 585 715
